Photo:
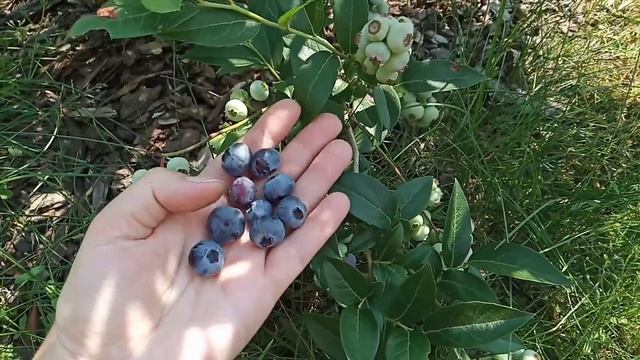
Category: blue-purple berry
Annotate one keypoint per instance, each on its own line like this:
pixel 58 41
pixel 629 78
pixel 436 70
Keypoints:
pixel 226 224
pixel 265 162
pixel 267 231
pixel 277 187
pixel 206 258
pixel 258 209
pixel 292 211
pixel 350 259
pixel 235 161
pixel 242 192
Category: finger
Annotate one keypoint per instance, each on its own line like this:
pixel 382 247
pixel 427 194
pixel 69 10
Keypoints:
pixel 301 151
pixel 325 169
pixel 274 125
pixel 286 261
pixel 141 207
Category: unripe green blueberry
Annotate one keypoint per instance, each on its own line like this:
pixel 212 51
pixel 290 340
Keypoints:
pixel 377 28
pixel 360 55
pixel 398 61
pixel 416 222
pixel 178 164
pixel 436 195
pixel 421 234
pixel 362 40
pixel 430 113
pixel 432 100
pixel 259 90
pixel 530 355
pixel 377 52
pixel 408 98
pixel 235 110
pixel 239 94
pixel 437 247
pixel 382 9
pixel 386 77
pixel 138 174
pixel 423 97
pixel 400 36
pixel 412 111
pixel 369 67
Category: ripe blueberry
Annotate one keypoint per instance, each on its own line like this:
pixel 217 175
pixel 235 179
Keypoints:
pixel 277 187
pixel 206 258
pixel 351 260
pixel 242 192
pixel 292 212
pixel 265 162
pixel 236 159
pixel 226 224
pixel 267 232
pixel 258 209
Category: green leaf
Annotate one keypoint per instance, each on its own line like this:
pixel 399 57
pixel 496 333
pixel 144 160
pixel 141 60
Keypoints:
pixel 314 81
pixel 406 345
pixel 213 27
pixel 387 105
pixel 505 345
pixel 439 75
pixel 371 201
pixel 387 248
pixel 236 59
pixel 5 193
pixel 470 324
pixel 413 196
pixel 456 240
pixel 359 333
pixel 325 332
pixel 364 240
pixel 349 16
pixel 519 262
pixel 346 284
pixel 192 24
pixel 415 298
pixel 162 6
pixel 317 15
pixel 391 277
pixel 132 21
pixel 462 286
pixel 420 256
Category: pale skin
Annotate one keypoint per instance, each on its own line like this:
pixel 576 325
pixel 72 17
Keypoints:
pixel 131 293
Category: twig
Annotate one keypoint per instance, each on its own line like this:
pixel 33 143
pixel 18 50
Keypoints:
pixel 391 163
pixel 354 147
pixel 229 128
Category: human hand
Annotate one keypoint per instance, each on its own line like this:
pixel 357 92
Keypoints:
pixel 131 292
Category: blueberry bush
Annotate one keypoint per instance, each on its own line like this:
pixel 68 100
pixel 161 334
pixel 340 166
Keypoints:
pixel 405 287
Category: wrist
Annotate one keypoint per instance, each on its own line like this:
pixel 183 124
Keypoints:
pixel 52 347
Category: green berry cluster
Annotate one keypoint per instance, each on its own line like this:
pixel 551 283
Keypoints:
pixel 418 109
pixel 384 46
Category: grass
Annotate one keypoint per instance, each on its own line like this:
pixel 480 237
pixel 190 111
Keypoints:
pixel 558 170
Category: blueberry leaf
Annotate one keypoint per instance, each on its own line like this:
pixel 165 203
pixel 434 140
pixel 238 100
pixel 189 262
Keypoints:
pixel 519 262
pixel 413 196
pixel 470 324
pixel 456 239
pixel 359 332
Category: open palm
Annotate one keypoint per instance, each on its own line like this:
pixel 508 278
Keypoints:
pixel 131 292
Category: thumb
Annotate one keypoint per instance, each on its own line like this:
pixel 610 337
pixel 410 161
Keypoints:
pixel 144 205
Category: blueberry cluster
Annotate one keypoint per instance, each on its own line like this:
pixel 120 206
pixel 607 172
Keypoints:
pixel 268 218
